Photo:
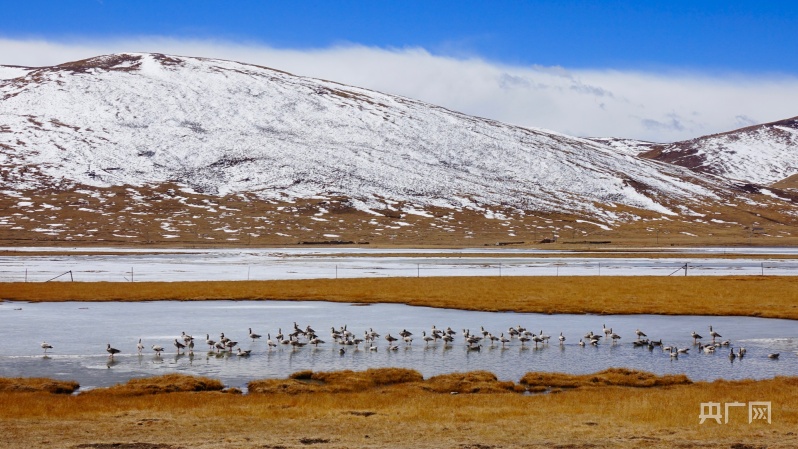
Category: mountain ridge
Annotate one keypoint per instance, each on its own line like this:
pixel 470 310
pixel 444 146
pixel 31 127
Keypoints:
pixel 211 128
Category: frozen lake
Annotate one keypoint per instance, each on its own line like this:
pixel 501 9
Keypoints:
pixel 301 263
pixel 79 333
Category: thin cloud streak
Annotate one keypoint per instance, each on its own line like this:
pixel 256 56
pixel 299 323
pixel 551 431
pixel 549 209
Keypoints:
pixel 660 107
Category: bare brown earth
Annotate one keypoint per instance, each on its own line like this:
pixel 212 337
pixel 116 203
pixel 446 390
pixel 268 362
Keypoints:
pixel 763 296
pixel 625 409
pixel 166 216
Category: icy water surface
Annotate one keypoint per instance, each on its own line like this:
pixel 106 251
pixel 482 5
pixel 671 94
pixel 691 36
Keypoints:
pixel 171 265
pixel 79 333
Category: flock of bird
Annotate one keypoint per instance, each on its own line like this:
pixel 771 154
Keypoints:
pixel 343 338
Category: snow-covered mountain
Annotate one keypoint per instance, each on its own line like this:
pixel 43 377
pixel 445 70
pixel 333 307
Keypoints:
pixel 150 123
pixel 762 154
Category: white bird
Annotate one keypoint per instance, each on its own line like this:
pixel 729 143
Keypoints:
pixel 158 349
pixel 46 346
pixel 111 350
pixel 561 338
pixel 140 346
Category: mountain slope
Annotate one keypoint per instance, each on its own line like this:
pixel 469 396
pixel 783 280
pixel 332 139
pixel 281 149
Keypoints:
pixel 122 135
pixel 762 154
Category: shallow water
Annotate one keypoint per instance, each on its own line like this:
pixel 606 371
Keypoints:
pixel 79 333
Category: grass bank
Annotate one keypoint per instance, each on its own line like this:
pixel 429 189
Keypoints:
pixel 625 409
pixel 763 296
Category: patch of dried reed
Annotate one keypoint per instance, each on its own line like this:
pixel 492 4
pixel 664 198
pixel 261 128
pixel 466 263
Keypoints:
pixel 37 384
pixel 169 383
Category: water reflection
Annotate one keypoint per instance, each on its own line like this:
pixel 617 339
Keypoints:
pixel 80 335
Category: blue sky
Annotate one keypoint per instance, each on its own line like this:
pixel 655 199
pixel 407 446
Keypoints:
pixel 516 44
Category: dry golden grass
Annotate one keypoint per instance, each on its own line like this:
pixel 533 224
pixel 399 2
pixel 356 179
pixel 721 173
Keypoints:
pixel 404 415
pixel 763 296
pixel 168 383
pixel 37 384
pixel 335 382
pixel 622 377
pixel 380 378
pixel 471 382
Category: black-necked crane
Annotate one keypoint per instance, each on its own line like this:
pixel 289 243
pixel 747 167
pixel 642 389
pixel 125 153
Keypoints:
pixel 111 351
pixel 46 346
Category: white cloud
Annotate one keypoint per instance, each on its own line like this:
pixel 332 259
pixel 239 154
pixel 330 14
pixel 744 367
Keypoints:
pixel 661 107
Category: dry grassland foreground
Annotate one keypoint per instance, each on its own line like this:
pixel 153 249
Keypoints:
pixel 397 408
